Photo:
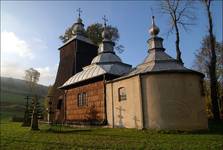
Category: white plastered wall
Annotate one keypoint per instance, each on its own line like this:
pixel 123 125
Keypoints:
pixel 127 113
pixel 173 101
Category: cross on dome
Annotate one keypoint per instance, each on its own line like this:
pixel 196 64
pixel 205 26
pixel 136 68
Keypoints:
pixel 78 27
pixel 105 20
pixel 79 12
pixel 106 35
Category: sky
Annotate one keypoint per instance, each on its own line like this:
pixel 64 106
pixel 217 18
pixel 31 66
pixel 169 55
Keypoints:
pixel 30 31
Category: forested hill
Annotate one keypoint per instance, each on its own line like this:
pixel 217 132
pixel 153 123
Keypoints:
pixel 13 93
pixel 18 86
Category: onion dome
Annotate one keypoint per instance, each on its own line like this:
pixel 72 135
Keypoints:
pixel 78 27
pixel 157 59
pixel 106 34
pixel 106 48
pixel 155 42
pixel 105 63
pixel 154 30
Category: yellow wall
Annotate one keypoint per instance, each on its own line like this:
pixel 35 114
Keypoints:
pixel 131 114
pixel 173 101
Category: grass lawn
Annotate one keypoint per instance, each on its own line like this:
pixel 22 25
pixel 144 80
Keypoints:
pixel 13 136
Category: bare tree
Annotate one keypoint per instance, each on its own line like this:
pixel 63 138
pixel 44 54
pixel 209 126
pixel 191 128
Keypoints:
pixel 181 14
pixel 212 64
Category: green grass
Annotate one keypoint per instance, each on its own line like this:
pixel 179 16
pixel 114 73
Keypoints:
pixel 13 136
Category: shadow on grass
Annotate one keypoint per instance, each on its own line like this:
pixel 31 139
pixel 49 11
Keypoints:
pixel 68 131
pixel 64 131
pixel 214 127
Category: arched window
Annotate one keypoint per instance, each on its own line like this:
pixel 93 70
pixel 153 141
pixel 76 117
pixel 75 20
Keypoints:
pixel 122 94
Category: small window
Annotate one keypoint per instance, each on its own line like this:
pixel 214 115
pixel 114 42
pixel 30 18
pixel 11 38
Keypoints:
pixel 122 94
pixel 59 104
pixel 82 99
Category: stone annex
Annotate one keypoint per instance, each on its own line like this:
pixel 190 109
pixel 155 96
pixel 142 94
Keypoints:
pixel 94 87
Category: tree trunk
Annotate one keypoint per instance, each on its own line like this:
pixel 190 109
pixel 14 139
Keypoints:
pixel 212 66
pixel 34 120
pixel 179 59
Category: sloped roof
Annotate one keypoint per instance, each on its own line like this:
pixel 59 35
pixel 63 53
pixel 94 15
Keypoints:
pixel 78 37
pixel 106 62
pixel 106 57
pixel 97 70
pixel 158 61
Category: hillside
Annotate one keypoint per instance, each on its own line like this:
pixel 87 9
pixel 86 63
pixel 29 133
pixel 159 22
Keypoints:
pixel 13 92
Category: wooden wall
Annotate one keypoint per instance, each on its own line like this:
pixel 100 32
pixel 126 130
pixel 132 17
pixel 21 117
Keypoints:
pixel 95 103
pixel 73 57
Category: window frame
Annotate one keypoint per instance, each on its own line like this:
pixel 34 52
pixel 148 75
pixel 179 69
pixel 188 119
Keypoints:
pixel 82 99
pixel 121 96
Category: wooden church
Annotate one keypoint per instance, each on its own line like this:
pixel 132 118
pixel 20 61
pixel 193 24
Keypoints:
pixel 76 53
pixel 94 87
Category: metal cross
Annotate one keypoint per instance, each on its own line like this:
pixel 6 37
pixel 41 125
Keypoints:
pixel 79 12
pixel 105 20
pixel 136 121
pixel 120 115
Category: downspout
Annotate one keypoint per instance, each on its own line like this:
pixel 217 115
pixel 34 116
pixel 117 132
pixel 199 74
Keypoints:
pixel 105 105
pixel 142 103
pixel 65 103
pixel 112 106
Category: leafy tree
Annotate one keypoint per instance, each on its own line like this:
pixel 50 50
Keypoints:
pixel 39 109
pixel 212 64
pixel 203 58
pixel 36 113
pixel 202 63
pixel 26 119
pixel 93 32
pixel 181 14
pixel 32 77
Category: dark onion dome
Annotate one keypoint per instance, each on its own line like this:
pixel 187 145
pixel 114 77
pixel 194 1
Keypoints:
pixel 78 27
pixel 106 35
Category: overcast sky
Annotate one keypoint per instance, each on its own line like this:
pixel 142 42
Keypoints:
pixel 30 31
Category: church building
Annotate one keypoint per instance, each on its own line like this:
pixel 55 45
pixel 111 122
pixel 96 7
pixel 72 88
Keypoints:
pixel 76 53
pixel 85 92
pixel 97 88
pixel 159 93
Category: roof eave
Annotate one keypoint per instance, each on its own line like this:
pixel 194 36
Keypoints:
pixel 76 38
pixel 157 72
